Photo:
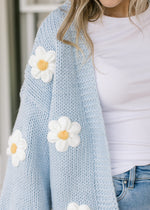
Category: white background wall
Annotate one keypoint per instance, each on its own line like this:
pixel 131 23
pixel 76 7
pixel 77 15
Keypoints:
pixel 5 115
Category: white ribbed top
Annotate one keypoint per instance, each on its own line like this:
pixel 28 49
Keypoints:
pixel 122 53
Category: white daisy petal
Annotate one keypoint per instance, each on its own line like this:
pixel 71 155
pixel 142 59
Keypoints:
pixel 61 145
pixel 40 51
pixel 22 144
pixel 16 147
pixel 36 73
pixel 20 154
pixel 10 140
pixel 52 67
pixel 60 133
pixel 33 61
pixel 84 207
pixel 65 123
pixel 16 135
pixel 15 160
pixel 50 56
pixel 72 206
pixel 8 152
pixel 54 125
pixel 74 141
pixel 75 206
pixel 75 128
pixel 52 137
pixel 46 76
pixel 43 64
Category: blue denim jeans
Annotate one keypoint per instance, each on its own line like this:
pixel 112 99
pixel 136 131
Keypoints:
pixel 133 188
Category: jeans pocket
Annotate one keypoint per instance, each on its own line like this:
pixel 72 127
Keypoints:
pixel 120 188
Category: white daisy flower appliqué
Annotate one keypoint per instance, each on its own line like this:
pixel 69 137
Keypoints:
pixel 16 147
pixel 64 133
pixel 75 206
pixel 43 64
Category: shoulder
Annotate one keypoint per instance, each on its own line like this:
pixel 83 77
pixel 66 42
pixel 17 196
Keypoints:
pixel 41 66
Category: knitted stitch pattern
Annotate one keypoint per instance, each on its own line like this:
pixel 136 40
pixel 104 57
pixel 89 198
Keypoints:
pixel 72 173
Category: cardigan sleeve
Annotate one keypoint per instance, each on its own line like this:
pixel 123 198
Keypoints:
pixel 26 183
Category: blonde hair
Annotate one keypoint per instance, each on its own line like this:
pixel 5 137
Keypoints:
pixel 82 11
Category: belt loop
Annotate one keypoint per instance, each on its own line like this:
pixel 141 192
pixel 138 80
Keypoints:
pixel 131 177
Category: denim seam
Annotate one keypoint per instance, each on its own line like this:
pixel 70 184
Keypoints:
pixel 124 192
pixel 128 179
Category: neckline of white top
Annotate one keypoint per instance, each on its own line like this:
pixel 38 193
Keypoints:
pixel 142 16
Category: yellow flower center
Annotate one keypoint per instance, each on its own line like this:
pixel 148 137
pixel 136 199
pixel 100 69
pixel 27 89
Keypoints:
pixel 13 148
pixel 63 135
pixel 42 65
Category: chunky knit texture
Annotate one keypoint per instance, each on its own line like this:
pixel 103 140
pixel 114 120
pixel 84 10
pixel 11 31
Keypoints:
pixel 49 179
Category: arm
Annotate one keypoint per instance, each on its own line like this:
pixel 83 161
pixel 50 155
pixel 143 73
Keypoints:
pixel 26 183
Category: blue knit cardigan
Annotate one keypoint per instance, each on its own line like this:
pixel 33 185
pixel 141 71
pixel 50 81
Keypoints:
pixel 58 155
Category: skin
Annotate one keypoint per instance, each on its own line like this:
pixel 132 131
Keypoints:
pixel 115 8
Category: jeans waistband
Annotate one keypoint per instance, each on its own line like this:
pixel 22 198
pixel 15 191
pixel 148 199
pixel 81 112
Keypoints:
pixel 135 173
